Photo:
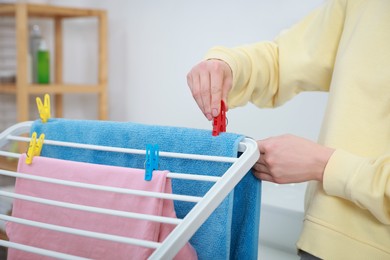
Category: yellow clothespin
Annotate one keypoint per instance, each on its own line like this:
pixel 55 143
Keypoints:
pixel 35 147
pixel 44 109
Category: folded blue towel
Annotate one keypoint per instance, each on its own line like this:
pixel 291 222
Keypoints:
pixel 231 232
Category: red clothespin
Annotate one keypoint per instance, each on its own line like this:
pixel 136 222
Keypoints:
pixel 219 124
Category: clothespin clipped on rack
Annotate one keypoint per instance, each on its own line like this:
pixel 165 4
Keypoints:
pixel 151 163
pixel 35 147
pixel 219 123
pixel 44 108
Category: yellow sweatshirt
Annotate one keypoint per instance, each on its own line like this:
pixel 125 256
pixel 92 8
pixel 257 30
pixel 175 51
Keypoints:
pixel 343 47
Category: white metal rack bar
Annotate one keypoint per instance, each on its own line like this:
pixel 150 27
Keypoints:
pixel 9 134
pixel 103 188
pixel 74 231
pixel 185 228
pixel 118 213
pixel 40 251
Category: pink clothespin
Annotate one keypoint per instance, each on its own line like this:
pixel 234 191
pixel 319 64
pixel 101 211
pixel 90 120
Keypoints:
pixel 219 124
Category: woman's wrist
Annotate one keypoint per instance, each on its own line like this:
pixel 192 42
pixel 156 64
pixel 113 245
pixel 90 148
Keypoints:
pixel 322 160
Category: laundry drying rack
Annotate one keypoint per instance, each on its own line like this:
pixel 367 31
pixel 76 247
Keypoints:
pixel 185 227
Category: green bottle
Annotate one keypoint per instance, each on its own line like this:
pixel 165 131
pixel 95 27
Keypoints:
pixel 43 64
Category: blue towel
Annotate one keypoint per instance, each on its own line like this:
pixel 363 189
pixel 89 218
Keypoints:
pixel 231 232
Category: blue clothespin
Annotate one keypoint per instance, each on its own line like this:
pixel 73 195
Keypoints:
pixel 152 161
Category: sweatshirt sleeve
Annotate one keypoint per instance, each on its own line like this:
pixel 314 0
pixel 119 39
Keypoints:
pixel 366 182
pixel 299 59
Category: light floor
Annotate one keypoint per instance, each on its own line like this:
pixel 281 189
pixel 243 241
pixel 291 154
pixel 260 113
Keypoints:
pixel 270 253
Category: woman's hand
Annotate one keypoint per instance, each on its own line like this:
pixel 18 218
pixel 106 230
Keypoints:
pixel 210 82
pixel 291 159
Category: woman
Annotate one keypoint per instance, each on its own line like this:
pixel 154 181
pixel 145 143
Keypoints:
pixel 343 48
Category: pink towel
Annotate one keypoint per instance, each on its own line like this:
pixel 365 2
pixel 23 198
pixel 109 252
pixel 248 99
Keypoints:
pixel 83 246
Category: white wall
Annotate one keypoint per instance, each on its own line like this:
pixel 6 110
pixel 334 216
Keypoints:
pixel 166 38
pixel 153 44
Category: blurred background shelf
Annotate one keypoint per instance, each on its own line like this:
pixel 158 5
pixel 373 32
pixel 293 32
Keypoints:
pixel 22 89
pixel 53 89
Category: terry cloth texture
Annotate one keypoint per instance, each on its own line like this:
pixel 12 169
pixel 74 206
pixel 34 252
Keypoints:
pixel 230 232
pixel 111 176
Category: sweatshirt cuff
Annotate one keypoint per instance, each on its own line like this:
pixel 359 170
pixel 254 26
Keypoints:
pixel 339 174
pixel 221 53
